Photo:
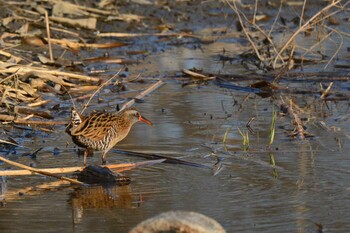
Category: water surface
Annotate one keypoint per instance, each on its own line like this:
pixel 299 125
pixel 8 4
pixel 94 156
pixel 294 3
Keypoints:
pixel 309 184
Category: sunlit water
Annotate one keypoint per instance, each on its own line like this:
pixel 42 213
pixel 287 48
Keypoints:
pixel 309 185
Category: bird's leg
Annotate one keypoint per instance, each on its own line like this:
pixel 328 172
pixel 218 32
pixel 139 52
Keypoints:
pixel 86 152
pixel 104 157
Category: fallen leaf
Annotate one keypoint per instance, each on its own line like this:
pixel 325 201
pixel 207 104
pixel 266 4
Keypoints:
pixel 34 40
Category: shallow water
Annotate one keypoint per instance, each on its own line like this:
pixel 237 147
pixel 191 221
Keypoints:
pixel 312 184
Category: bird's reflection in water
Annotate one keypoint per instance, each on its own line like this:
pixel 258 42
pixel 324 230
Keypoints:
pixel 111 196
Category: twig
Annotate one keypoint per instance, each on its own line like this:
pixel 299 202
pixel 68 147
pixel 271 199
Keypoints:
pixel 39 103
pixel 67 32
pixel 300 29
pixel 302 14
pixel 316 44
pixel 287 67
pixel 266 36
pixel 339 44
pixel 248 125
pixel 9 55
pixel 150 89
pixel 7 142
pixel 48 35
pixel 255 10
pixel 326 92
pixel 299 127
pixel 116 34
pixel 72 181
pixel 98 89
pixel 197 75
pixel 63 170
pixel 256 50
pixel 276 19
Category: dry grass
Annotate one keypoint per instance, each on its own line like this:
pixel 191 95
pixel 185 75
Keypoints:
pixel 270 55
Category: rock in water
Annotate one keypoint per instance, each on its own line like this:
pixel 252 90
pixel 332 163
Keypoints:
pixel 179 222
pixel 102 175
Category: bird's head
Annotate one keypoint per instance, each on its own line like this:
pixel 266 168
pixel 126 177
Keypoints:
pixel 134 116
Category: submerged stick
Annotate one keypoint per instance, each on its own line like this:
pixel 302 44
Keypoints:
pixel 167 158
pixel 45 173
pixel 326 92
pixel 63 170
pixel 118 34
pixel 197 75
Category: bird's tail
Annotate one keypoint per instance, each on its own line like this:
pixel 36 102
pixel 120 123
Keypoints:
pixel 76 118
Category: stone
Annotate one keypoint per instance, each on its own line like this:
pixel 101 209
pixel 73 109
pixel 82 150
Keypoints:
pixel 179 222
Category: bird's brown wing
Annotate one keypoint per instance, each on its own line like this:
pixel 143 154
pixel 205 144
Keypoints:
pixel 94 127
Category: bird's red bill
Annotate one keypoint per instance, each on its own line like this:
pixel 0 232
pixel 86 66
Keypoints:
pixel 141 118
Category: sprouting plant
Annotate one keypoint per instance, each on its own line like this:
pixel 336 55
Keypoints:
pixel 272 128
pixel 245 137
pixel 272 137
pixel 272 159
pixel 273 164
pixel 225 136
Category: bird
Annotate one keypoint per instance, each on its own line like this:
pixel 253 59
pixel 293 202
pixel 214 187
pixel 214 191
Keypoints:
pixel 100 131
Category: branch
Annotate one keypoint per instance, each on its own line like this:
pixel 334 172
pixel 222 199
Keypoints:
pixel 64 170
pixel 45 173
pixel 143 94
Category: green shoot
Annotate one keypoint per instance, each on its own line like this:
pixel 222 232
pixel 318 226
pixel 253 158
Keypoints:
pixel 245 137
pixel 273 163
pixel 272 137
pixel 224 139
pixel 272 160
pixel 225 136
pixel 272 128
